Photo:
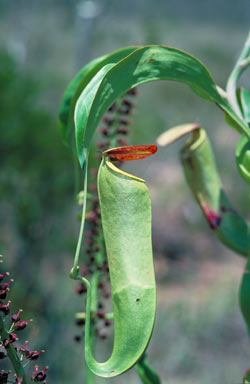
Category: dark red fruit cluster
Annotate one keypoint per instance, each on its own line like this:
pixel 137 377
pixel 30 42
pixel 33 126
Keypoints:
pixel 39 375
pixel 9 338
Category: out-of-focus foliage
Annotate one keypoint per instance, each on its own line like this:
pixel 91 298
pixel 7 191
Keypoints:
pixel 35 168
pixel 36 180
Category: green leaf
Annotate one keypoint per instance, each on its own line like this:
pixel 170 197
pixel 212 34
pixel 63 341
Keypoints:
pixel 76 86
pixel 232 123
pixel 143 65
pixel 125 205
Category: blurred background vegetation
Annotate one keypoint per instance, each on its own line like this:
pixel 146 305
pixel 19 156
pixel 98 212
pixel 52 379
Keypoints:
pixel 199 333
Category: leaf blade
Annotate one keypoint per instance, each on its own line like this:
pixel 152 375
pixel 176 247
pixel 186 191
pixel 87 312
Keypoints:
pixel 143 65
pixel 76 86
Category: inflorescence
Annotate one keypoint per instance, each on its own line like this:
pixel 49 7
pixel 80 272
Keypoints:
pixel 22 355
pixel 113 131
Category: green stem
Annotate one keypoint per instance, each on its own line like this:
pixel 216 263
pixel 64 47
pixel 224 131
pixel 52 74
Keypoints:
pixel 11 352
pixel 146 372
pixel 241 65
pixel 90 377
pixel 77 170
pixel 74 271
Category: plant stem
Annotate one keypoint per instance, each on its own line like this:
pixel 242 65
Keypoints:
pixel 75 268
pixel 77 170
pixel 146 372
pixel 11 352
pixel 241 65
pixel 90 377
